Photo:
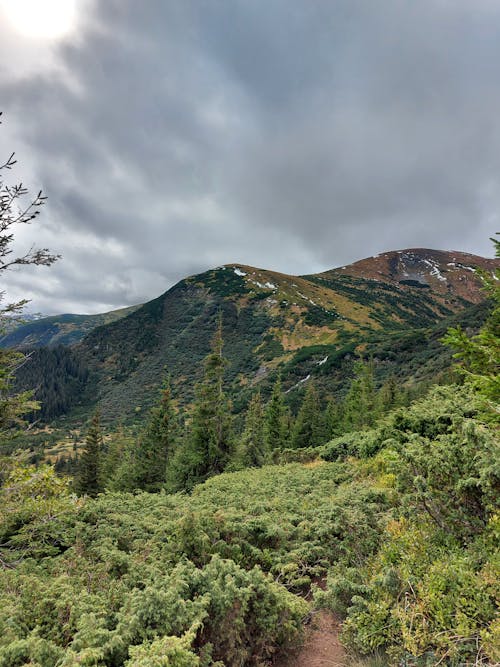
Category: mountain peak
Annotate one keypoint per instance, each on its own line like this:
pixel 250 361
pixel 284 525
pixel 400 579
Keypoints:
pixel 445 272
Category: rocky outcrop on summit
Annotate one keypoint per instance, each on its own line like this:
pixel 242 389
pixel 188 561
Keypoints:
pixel 448 273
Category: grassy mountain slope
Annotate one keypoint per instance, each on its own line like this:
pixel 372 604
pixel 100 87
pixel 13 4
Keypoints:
pixel 301 325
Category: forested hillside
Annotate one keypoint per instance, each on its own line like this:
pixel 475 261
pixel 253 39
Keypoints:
pixel 300 327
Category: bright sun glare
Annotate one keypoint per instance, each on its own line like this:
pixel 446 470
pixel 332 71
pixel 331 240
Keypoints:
pixel 42 19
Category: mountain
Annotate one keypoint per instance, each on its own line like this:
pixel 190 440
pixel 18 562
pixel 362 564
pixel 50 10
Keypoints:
pixel 66 329
pixel 391 306
pixel 451 274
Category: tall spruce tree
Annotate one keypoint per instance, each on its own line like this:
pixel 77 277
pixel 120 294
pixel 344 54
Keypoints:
pixel 113 456
pixel 88 478
pixel 156 446
pixel 359 406
pixel 209 444
pixel 308 428
pixel 253 451
pixel 276 422
pixel 387 396
pixel 331 420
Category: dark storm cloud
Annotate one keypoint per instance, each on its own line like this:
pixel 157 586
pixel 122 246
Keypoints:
pixel 175 136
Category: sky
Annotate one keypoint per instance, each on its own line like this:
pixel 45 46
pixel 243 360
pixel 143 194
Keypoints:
pixel 173 136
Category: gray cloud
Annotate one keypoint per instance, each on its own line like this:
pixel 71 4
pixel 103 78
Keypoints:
pixel 175 136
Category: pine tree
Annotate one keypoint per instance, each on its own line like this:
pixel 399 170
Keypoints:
pixel 276 423
pixel 358 408
pixel 307 431
pixel 117 461
pixel 331 421
pixel 156 446
pixel 253 451
pixel 209 445
pixel 88 479
pixel 387 396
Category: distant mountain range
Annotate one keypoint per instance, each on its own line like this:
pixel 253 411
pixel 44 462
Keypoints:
pixel 67 329
pixel 300 325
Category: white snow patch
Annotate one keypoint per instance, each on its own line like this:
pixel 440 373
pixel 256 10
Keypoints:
pixel 239 272
pixel 306 298
pixel 323 361
pixel 264 285
pixel 457 265
pixel 297 384
pixel 434 270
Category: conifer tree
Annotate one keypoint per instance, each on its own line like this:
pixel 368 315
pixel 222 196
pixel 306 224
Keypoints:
pixel 331 421
pixel 307 431
pixel 209 445
pixel 88 479
pixel 155 448
pixel 117 461
pixel 358 409
pixel 387 396
pixel 276 423
pixel 253 445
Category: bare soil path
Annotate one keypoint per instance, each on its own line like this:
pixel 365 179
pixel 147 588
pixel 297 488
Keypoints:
pixel 321 647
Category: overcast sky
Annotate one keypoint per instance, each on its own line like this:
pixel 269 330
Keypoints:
pixel 171 136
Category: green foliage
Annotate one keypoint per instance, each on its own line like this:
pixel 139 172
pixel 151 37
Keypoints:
pixel 206 579
pixel 164 652
pixel 308 429
pixel 425 597
pixel 437 414
pixel 61 378
pixel 252 450
pixel 479 355
pixel 35 506
pixel 147 460
pixel 320 317
pixel 116 468
pixel 276 419
pixel 454 477
pixel 89 474
pixel 208 447
pixel 13 407
pixel 359 405
pixel 428 594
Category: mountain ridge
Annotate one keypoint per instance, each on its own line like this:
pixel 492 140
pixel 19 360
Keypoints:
pixel 272 322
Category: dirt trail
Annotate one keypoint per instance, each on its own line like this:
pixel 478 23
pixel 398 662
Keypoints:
pixel 321 647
